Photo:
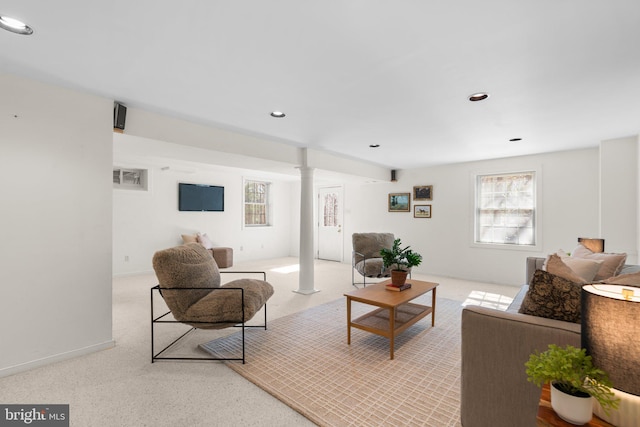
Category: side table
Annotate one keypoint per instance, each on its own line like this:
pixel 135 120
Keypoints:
pixel 547 416
pixel 223 256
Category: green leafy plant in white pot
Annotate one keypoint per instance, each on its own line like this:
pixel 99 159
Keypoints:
pixel 573 382
pixel 399 260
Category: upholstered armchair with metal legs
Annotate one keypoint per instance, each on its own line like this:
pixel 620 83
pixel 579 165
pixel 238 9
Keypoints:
pixel 366 259
pixel 189 284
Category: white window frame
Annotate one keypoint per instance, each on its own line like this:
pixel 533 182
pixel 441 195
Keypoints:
pixel 474 179
pixel 268 203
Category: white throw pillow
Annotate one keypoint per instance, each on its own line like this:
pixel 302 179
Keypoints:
pixel 554 265
pixel 612 263
pixel 585 268
pixel 205 241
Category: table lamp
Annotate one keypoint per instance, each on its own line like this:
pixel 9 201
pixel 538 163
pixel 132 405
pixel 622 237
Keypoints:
pixel 593 244
pixel 610 317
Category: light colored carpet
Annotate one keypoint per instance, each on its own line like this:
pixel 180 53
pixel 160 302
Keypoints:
pixel 303 359
pixel 121 388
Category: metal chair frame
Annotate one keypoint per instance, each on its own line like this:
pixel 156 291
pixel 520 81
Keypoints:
pixel 353 269
pixel 240 323
pixel 364 278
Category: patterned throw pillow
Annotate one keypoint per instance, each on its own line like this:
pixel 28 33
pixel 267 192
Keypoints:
pixel 552 297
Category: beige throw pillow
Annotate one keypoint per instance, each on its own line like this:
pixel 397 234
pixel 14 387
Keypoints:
pixel 189 238
pixel 631 279
pixel 612 263
pixel 557 267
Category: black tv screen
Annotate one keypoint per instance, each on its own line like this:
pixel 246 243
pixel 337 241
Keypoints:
pixel 200 198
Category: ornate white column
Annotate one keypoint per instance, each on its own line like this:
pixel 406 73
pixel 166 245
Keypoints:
pixel 306 278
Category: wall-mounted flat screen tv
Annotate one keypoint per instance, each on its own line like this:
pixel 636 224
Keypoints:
pixel 200 198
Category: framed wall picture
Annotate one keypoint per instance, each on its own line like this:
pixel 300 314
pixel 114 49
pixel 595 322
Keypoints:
pixel 423 192
pixel 422 211
pixel 399 202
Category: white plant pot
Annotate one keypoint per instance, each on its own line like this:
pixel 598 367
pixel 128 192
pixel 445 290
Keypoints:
pixel 573 409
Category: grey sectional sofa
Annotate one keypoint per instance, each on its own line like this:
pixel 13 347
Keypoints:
pixel 495 346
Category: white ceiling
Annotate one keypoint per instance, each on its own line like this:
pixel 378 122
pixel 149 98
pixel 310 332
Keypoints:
pixel 562 74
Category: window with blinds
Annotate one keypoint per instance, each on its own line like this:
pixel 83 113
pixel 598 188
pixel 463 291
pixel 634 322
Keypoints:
pixel 256 203
pixel 505 209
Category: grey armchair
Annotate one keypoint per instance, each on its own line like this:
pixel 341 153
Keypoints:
pixel 189 283
pixel 366 259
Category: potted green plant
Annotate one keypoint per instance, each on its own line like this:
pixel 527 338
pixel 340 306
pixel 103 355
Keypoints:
pixel 399 260
pixel 573 382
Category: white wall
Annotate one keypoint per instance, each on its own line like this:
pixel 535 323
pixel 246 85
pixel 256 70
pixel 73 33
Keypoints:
pixel 145 222
pixel 569 196
pixel 619 194
pixel 57 208
pixel 569 208
pixel 55 171
pixel 241 150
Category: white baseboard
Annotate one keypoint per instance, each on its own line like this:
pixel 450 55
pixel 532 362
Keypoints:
pixel 132 273
pixel 11 370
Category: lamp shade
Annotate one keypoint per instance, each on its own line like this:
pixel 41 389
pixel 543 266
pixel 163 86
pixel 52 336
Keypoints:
pixel 594 245
pixel 611 332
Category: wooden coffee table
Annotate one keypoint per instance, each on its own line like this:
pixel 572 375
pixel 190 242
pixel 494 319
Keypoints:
pixel 396 312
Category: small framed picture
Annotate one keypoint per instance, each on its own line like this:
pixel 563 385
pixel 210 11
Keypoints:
pixel 423 192
pixel 422 211
pixel 399 202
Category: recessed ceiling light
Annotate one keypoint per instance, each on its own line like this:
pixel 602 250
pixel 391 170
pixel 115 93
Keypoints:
pixel 374 145
pixel 515 139
pixel 277 114
pixel 15 26
pixel 478 96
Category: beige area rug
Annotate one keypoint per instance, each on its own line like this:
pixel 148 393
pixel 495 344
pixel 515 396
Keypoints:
pixel 303 360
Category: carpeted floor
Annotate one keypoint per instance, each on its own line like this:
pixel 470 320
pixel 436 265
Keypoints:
pixel 120 387
pixel 303 360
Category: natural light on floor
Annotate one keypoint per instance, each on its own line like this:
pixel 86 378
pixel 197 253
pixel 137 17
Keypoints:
pixel 287 269
pixel 487 299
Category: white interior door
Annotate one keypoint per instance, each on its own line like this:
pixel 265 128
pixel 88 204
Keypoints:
pixel 330 240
